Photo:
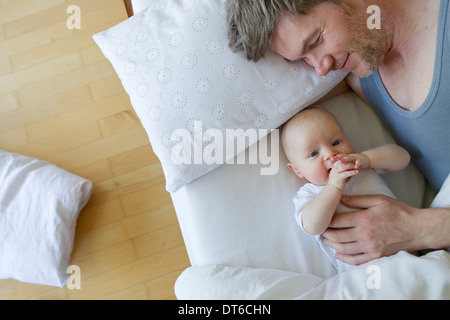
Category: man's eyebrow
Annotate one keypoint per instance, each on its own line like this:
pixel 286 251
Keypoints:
pixel 308 40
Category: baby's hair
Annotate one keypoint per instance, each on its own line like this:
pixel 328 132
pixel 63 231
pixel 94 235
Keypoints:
pixel 303 115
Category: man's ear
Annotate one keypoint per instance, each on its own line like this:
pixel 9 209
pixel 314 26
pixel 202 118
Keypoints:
pixel 295 170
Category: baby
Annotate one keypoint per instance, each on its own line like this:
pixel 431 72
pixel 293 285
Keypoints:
pixel 320 152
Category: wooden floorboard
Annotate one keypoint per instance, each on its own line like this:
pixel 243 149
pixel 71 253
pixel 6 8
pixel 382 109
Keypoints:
pixel 61 101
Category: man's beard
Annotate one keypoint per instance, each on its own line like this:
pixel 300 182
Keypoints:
pixel 371 44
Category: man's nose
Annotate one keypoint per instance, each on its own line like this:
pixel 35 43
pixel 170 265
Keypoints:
pixel 321 64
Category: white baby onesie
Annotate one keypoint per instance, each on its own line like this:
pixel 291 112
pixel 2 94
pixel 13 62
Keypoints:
pixel 367 182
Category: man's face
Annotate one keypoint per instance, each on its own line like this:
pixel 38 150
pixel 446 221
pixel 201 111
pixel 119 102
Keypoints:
pixel 329 39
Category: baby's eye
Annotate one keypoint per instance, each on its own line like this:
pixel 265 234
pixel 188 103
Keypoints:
pixel 313 154
pixel 336 143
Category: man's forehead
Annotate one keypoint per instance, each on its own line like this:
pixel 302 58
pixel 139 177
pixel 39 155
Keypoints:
pixel 293 34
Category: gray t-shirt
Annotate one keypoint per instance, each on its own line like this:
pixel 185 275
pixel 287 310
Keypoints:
pixel 425 133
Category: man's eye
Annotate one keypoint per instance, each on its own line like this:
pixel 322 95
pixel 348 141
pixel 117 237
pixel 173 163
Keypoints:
pixel 313 154
pixel 336 143
pixel 317 43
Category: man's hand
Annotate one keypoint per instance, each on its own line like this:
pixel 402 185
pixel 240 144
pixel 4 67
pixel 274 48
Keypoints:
pixel 383 227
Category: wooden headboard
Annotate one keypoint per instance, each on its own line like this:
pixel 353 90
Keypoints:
pixel 129 7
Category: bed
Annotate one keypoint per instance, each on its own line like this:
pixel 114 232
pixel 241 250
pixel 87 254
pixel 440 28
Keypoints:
pixel 235 206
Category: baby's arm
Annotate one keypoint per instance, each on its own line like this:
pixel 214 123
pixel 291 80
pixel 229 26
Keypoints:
pixel 317 214
pixel 388 157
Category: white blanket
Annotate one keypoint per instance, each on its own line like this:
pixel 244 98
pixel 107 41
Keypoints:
pixel 402 276
pixel 398 277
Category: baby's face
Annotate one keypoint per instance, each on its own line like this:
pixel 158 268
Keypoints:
pixel 313 142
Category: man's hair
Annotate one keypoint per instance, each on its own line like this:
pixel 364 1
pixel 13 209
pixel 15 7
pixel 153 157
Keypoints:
pixel 251 23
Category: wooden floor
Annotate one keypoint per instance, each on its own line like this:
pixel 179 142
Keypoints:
pixel 61 101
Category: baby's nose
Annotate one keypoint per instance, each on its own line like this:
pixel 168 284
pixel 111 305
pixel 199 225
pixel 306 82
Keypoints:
pixel 328 154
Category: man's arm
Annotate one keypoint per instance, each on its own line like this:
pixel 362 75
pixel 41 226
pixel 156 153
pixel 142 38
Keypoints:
pixel 384 227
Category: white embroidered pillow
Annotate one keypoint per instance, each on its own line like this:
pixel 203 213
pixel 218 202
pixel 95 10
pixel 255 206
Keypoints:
pixel 174 62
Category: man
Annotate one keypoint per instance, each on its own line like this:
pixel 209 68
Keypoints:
pixel 402 69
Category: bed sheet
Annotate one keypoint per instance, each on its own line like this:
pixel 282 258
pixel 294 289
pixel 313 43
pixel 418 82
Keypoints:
pixel 234 217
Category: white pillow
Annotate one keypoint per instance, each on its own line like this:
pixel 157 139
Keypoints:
pixel 174 62
pixel 139 5
pixel 39 207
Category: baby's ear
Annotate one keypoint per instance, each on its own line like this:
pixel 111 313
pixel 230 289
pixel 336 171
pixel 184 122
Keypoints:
pixel 295 170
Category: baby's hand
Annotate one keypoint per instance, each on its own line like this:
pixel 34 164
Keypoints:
pixel 341 172
pixel 360 160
